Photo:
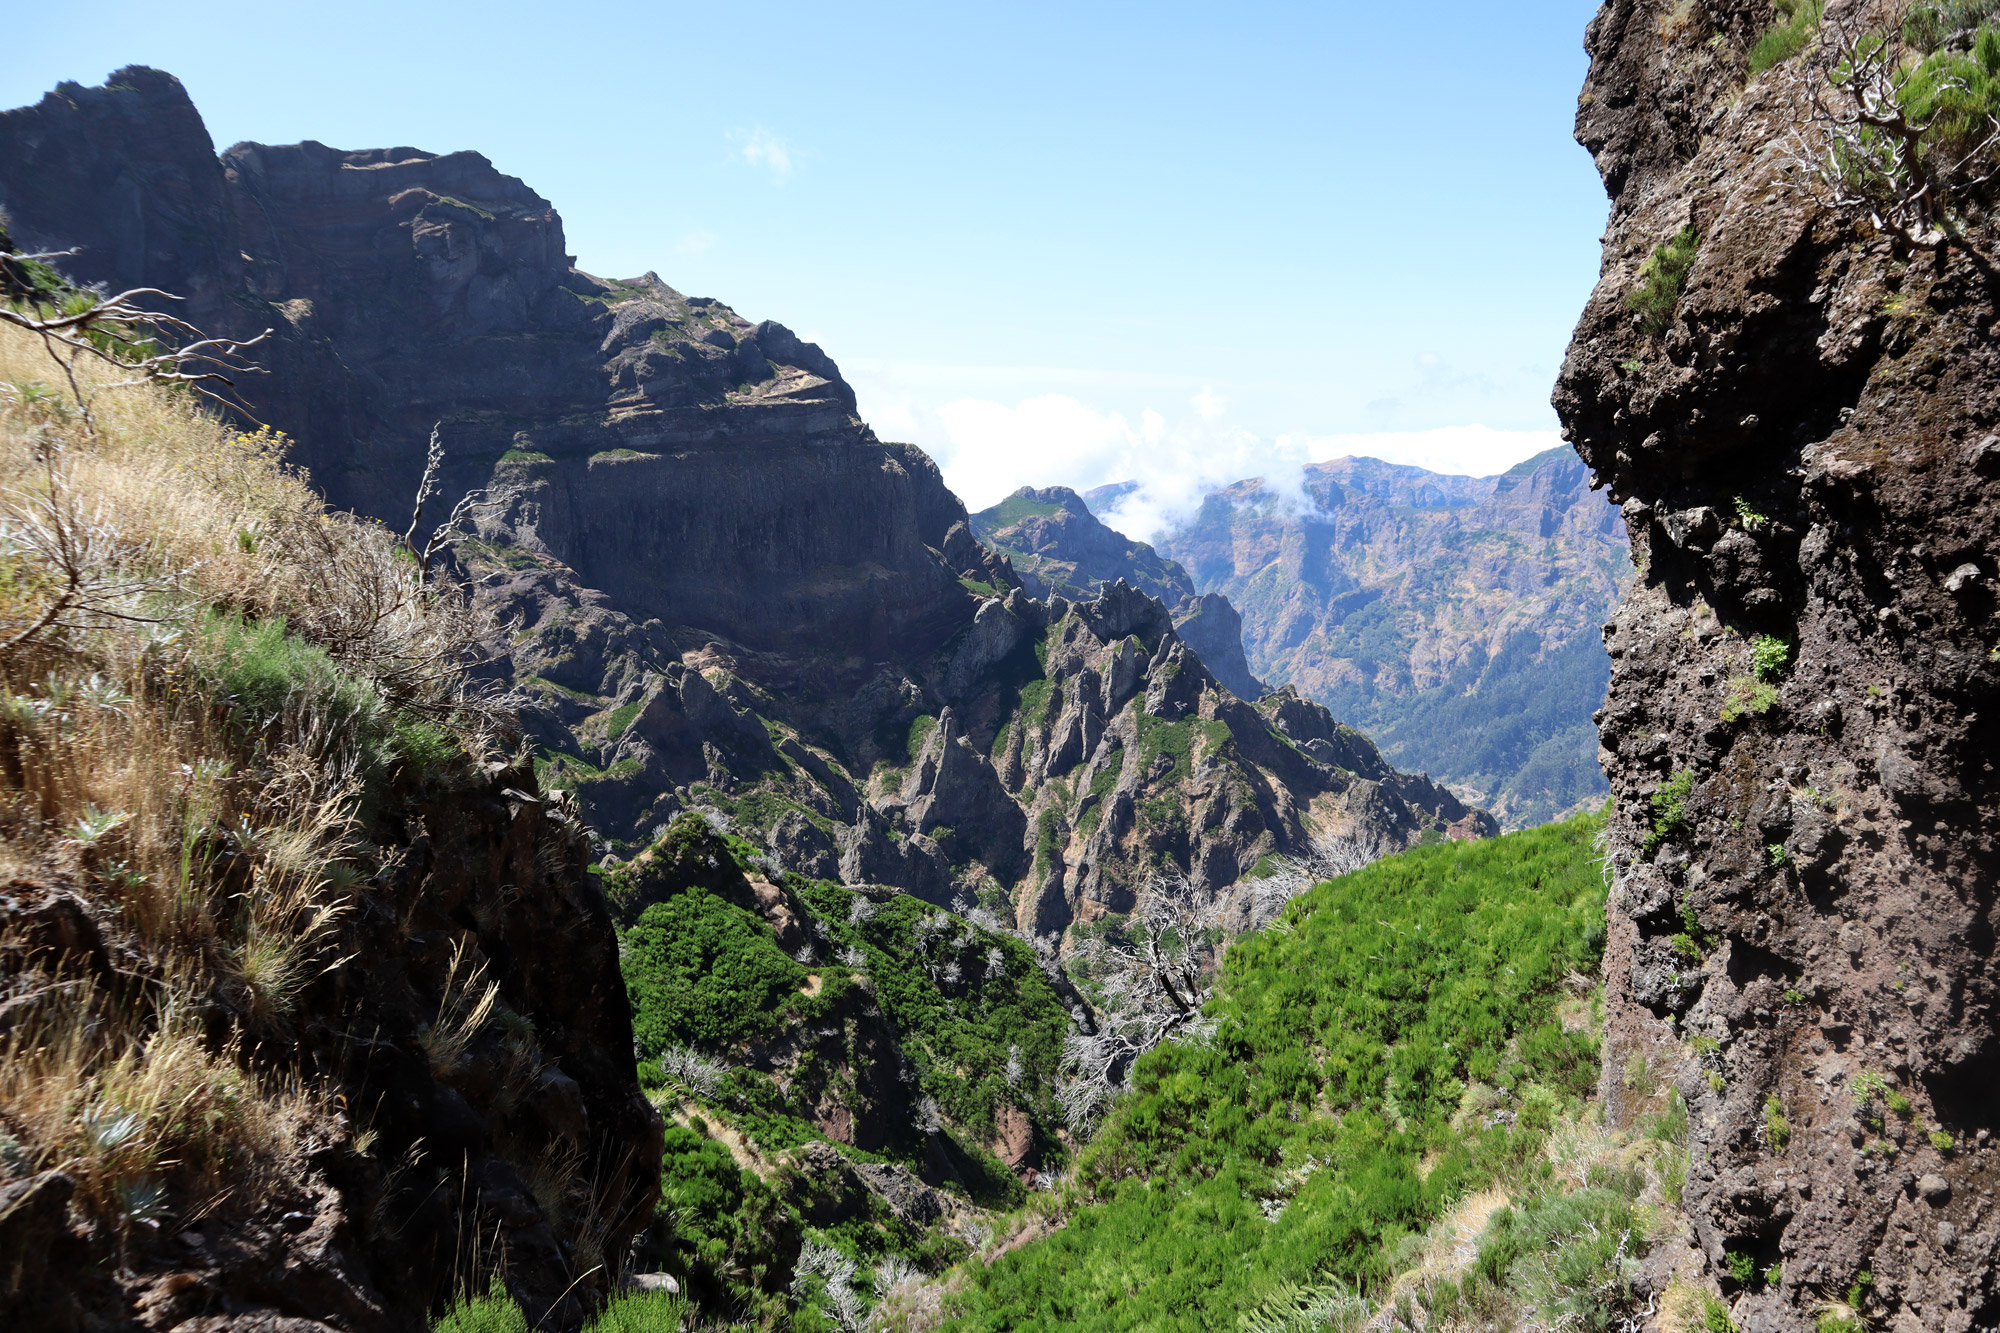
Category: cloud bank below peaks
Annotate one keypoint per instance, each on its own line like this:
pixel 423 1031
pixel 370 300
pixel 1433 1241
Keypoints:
pixel 987 449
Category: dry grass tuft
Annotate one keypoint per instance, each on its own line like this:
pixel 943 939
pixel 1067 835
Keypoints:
pixel 205 679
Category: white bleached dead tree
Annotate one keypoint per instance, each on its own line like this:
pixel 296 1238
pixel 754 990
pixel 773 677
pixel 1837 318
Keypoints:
pixel 1891 134
pixel 1155 979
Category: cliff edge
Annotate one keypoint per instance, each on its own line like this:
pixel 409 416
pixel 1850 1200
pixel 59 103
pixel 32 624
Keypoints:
pixel 1792 393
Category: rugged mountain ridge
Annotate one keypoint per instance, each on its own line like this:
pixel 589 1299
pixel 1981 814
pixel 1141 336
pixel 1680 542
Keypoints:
pixel 1453 619
pixel 1058 546
pixel 408 288
pixel 712 585
pixel 1796 413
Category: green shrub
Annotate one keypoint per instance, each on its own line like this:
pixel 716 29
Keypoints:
pixel 268 676
pixel 1956 94
pixel 1746 696
pixel 1342 1049
pixel 495 1312
pixel 641 1312
pixel 1768 656
pixel 424 745
pixel 1777 1129
pixel 701 970
pixel 1797 21
pixel 1661 278
pixel 1571 1256
pixel 1670 809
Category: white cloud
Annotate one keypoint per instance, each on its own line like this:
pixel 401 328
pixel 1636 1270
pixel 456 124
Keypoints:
pixel 986 449
pixel 761 148
pixel 1209 404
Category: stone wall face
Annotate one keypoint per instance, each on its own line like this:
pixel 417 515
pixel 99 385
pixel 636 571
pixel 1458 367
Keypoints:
pixel 1800 729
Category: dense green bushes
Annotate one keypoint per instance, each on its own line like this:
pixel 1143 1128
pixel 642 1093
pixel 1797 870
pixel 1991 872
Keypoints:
pixel 702 971
pixel 1797 21
pixel 781 1007
pixel 1391 1044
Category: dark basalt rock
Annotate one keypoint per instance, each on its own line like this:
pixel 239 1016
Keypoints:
pixel 408 288
pixel 1799 455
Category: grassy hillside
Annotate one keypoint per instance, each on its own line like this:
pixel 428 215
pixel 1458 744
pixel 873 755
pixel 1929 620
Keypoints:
pixel 244 781
pixel 1407 1035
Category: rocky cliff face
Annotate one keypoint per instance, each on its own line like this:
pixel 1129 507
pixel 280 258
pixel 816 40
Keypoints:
pixel 409 288
pixel 712 585
pixel 407 1165
pixel 1047 765
pixel 1799 731
pixel 1454 619
pixel 1057 546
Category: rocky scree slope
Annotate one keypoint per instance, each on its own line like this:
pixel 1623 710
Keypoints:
pixel 1796 413
pixel 710 583
pixel 1453 619
pixel 1058 546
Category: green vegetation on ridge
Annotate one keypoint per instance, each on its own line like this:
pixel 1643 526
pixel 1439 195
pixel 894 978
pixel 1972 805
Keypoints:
pixel 1393 1043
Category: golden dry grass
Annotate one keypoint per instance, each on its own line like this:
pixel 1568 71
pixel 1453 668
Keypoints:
pixel 217 851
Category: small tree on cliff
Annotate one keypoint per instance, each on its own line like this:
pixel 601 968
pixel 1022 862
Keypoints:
pixel 1902 123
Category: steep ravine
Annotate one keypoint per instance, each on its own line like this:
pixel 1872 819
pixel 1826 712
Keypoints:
pixel 1800 730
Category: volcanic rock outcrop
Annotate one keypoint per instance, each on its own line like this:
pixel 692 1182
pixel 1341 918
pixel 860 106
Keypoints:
pixel 1800 732
pixel 1059 547
pixel 407 289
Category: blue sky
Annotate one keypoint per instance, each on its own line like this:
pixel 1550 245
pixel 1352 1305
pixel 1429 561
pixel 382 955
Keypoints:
pixel 1050 243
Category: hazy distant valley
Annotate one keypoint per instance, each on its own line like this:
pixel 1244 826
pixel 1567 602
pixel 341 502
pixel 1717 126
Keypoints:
pixel 1454 620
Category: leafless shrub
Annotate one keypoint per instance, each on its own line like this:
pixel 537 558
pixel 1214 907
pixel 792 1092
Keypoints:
pixel 83 567
pixel 907 1301
pixel 1869 145
pixel 1155 982
pixel 836 1273
pixel 1324 859
pixel 468 505
pixel 121 332
pixel 694 1071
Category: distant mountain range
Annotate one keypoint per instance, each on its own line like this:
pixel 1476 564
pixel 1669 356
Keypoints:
pixel 1455 620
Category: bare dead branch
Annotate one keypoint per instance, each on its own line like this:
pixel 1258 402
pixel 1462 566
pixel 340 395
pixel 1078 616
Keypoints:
pixel 123 332
pixel 1861 149
pixel 91 572
pixel 1154 986
pixel 427 488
